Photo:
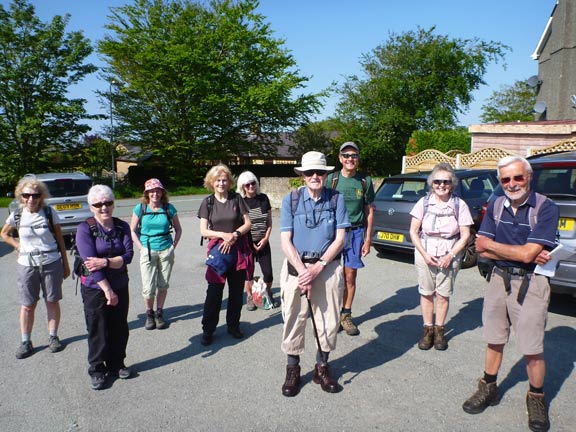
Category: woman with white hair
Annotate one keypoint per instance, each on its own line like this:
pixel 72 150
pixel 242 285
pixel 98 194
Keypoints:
pixel 105 244
pixel 439 230
pixel 42 262
pixel 261 217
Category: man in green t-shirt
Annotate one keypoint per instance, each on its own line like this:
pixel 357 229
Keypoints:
pixel 358 191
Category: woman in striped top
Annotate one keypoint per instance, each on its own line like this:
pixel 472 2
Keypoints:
pixel 261 218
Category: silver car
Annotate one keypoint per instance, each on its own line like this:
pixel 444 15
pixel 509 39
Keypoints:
pixel 68 197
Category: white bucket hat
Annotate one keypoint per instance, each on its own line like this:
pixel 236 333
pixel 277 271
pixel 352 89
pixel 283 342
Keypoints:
pixel 313 160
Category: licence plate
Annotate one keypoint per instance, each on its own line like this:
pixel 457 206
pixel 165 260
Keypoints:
pixel 390 236
pixel 566 224
pixel 68 206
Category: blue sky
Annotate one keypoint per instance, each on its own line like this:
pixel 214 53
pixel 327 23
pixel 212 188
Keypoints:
pixel 328 37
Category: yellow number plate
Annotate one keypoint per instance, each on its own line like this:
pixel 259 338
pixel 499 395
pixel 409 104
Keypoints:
pixel 566 224
pixel 69 206
pixel 390 236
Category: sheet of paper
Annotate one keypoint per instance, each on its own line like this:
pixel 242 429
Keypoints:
pixel 559 253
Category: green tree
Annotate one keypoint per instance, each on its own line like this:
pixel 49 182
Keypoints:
pixel 196 82
pixel 417 80
pixel 441 140
pixel 317 136
pixel 39 63
pixel 510 104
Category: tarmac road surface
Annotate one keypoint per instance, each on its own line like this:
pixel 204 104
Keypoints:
pixel 235 385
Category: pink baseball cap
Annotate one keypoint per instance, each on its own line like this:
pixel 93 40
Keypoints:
pixel 153 183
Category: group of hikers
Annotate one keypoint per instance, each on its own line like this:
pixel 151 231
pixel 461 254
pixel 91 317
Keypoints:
pixel 325 232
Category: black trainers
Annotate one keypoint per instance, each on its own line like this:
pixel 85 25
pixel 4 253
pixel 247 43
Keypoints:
pixel 54 344
pixel 150 322
pixel 206 339
pixel 98 382
pixel 124 373
pixel 24 350
pixel 485 396
pixel 538 420
pixel 161 323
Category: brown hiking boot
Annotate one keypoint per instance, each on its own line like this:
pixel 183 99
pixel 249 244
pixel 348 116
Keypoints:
pixel 485 396
pixel 538 420
pixel 427 338
pixel 322 377
pixel 439 339
pixel 348 325
pixel 291 385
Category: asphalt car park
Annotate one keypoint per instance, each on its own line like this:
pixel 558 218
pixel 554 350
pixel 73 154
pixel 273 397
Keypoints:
pixel 235 385
pixel 397 195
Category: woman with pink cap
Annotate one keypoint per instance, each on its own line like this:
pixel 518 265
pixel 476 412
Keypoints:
pixel 152 223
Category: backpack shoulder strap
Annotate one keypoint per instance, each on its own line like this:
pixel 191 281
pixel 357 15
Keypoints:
pixel 295 199
pixel 17 217
pixel 93 227
pixel 166 209
pixel 533 213
pixel 335 178
pixel 143 208
pixel 499 208
pixel 333 195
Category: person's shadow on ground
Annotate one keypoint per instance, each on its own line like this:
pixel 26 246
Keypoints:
pixel 560 356
pixel 195 348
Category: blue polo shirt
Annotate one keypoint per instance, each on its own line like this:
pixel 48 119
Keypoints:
pixel 515 229
pixel 313 224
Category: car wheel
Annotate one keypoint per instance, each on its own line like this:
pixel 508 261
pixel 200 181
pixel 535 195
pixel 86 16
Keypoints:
pixel 469 258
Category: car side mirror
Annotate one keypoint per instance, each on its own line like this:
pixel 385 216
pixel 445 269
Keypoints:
pixel 10 195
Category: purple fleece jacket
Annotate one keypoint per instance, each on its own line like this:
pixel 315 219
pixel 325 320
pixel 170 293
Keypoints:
pixel 117 242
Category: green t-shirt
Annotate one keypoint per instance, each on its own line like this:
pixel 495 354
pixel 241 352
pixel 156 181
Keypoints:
pixel 354 197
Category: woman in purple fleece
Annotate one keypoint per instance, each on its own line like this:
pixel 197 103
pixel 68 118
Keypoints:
pixel 105 245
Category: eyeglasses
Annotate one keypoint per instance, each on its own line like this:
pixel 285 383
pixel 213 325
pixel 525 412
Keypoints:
pixel 439 182
pixel 349 155
pixel 251 184
pixel 157 190
pixel 102 204
pixel 517 178
pixel 310 173
pixel 31 195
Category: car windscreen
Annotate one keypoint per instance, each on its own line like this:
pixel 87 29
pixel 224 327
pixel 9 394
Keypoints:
pixel 60 188
pixel 410 190
pixel 556 180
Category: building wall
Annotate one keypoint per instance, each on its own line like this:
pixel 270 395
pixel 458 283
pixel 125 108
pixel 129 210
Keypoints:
pixel 520 137
pixel 557 64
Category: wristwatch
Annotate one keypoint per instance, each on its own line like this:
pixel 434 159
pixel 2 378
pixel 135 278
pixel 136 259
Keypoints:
pixel 238 233
pixel 322 262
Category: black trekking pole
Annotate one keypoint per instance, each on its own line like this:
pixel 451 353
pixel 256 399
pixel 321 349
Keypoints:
pixel 314 326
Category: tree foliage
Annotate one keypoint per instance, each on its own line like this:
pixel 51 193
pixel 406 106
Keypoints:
pixel 417 80
pixel 317 136
pixel 441 140
pixel 39 63
pixel 510 104
pixel 201 82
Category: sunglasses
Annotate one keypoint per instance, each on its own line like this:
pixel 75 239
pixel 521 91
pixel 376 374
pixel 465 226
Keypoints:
pixel 310 173
pixel 102 204
pixel 438 182
pixel 31 195
pixel 253 184
pixel 517 178
pixel 157 190
pixel 349 155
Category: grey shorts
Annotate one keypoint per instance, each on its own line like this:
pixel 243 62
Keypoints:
pixel 528 319
pixel 31 281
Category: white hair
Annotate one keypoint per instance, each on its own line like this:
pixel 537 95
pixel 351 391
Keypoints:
pixel 245 178
pixel 99 190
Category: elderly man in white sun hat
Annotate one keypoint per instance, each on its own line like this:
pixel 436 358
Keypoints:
pixel 312 229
